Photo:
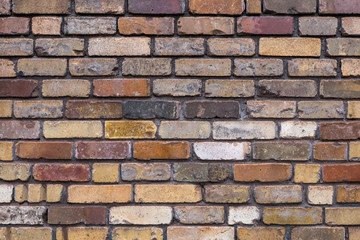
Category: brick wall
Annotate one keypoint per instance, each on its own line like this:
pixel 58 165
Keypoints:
pixel 179 119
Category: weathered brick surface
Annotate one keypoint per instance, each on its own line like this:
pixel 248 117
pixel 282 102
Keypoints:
pixel 46 25
pixel 6 151
pixel 341 173
pixel 179 47
pixel 348 194
pixel 354 150
pixel 16 47
pixel 42 67
pixel 203 232
pixel 339 7
pixel 14 26
pixel 231 47
pixel 289 6
pixel 292 215
pixel 7 68
pixel 184 130
pixel 330 151
pixel 150 110
pixel 19 130
pixel 309 67
pixel 73 215
pixel 147 172
pixel 340 130
pixel 38 109
pixel 105 173
pixel 265 25
pixel 115 46
pixel 130 129
pixel 121 233
pixel 73 129
pixel 350 26
pixel 59 47
pixel 89 25
pixel 41 6
pixel 157 6
pixel 262 172
pixel 230 7
pixel 321 109
pixel 44 150
pixel 161 150
pixel 102 150
pixel 342 47
pixel 310 47
pixel 258 67
pixel 320 195
pixel 29 215
pixel 199 214
pixel 330 233
pixel 177 87
pixel 204 67
pixel 5 109
pixel 278 194
pixel 261 233
pixel 100 6
pixel 206 26
pixel 207 109
pixel 66 88
pixel 5 7
pixel 121 87
pixel 61 172
pixel 93 67
pixel 93 109
pixel 99 193
pixel 229 88
pixel 243 215
pixel 342 216
pixel 271 109
pixel 296 151
pixel 146 66
pixel 146 25
pixel 318 26
pixel 307 173
pixel 287 88
pixel 226 194
pixel 340 89
pixel 140 215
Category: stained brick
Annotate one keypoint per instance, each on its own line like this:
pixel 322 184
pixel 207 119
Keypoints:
pixel 287 88
pixel 292 215
pixel 151 109
pixel 41 6
pixel 121 87
pixel 140 215
pixel 46 25
pixel 350 67
pixel 105 173
pixel 44 150
pixel 271 109
pixel 5 6
pixel 59 47
pixel 201 232
pixel 312 67
pixel 6 151
pixel 278 194
pixel 258 67
pixel 320 233
pixel 229 7
pixel 318 26
pixel 342 216
pixel 93 109
pixel 340 89
pixel 16 47
pixel 145 172
pixel 77 233
pixel 19 130
pixel 146 25
pixel 100 6
pixel 99 193
pixel 226 194
pixel 143 233
pixel 221 150
pixel 271 172
pixel 350 26
pixel 6 192
pixel 6 108
pixel 119 46
pixel 289 6
pixel 157 6
pixel 74 215
pixel 199 214
pixel 298 130
pixel 290 47
pixel 354 152
pixel 341 173
pixel 203 67
pixel 231 47
pixel 102 150
pixel 320 195
pixel 261 233
pixel 42 67
pixel 179 47
pixel 29 215
pixel 14 26
pixel 339 7
pixel 340 130
pixel 229 88
pixel 265 25
pixel 7 68
pixel 66 88
pixel 243 215
pixel 177 87
pixel 206 26
pixel 146 66
pixel 253 7
pixel 61 172
pixel 348 194
pixel 208 109
pixel 330 151
pixel 38 109
pixel 307 173
pixel 90 25
pixel 184 130
pixel 321 109
pixel 73 129
pixel 343 46
pixel 191 172
pixel 130 129
pixel 93 66
pixel 295 151
pixel 161 150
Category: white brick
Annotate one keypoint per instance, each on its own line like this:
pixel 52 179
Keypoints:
pixel 320 195
pixel 243 215
pixel 298 130
pixel 141 215
pixel 222 150
pixel 6 193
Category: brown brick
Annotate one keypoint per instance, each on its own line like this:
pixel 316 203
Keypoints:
pixel 105 173
pixel 267 172
pixel 100 6
pixel 191 172
pixel 206 26
pixel 229 7
pixel 354 152
pixel 296 47
pixel 229 88
pixel 59 47
pixel 66 88
pixel 348 194
pixel 265 25
pixel 93 109
pixel 350 67
pixel 145 172
pixel 203 67
pixel 312 67
pixel 307 173
pixel 199 232
pixel 177 87
pixel 296 151
pixel 119 46
pixel 342 216
pixel 292 215
pixel 72 129
pixel 16 47
pixel 320 233
pixel 93 66
pixel 41 67
pixel 102 150
pixel 6 151
pixel 161 150
pixel 14 171
pixel 74 215
pixel 38 109
pixel 350 26
pixel 258 67
pixel 343 46
pixel 199 214
pixel 341 173
pixel 231 47
pixel 271 109
pixel 287 88
pixel 261 233
pixel 354 233
pixel 179 47
pixel 339 7
pixel 278 194
pixel 122 87
pixel 28 233
pixel 209 109
pixel 61 172
pixel 146 66
pixel 253 7
pixel 340 89
pixel 157 6
pixel 14 26
pixel 19 130
pixel 44 150
pixel 7 68
pixel 99 193
pixel 90 25
pixel 318 26
pixel 130 129
pixel 5 6
pixel 340 131
pixel 46 25
pixel 289 6
pixel 226 194
pixel 330 151
pixel 321 109
pixel 146 25
pixel 5 108
pixel 41 6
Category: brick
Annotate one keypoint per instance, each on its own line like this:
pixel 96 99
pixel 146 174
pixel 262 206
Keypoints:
pixel 339 7
pixel 100 6
pixel 14 171
pixel 278 194
pixel 145 172
pixel 295 151
pixel 199 214
pixel 74 215
pixel 140 215
pixel 292 215
pixel 177 87
pixel 121 87
pixel 354 152
pixel 5 108
pixel 321 233
pixel 151 109
pixel 229 88
pixel 167 193
pixel 290 47
pixel 203 67
pixel 232 130
pixel 85 233
pixel 157 6
pixel 42 67
pixel 261 233
pixel 44 150
pixel 20 193
pixel 343 46
pixel 231 47
pixel 267 172
pixel 350 26
pixel 258 67
pixel 5 7
pixel 66 88
pixel 146 66
pixel 226 194
pixel 36 193
pixel 179 47
pixel 41 7
pixel 206 26
pixel 46 25
pixel 19 130
pixel 54 192
pixel 326 151
pixel 318 26
pixel 61 172
pixel 184 130
pixel 161 150
pixel 350 67
pixel 298 130
pixel 93 66
pixel 348 194
pixel 80 109
pixel 6 151
pixel 289 6
pixel 99 193
pixel 354 233
pixel 307 173
pixel 222 150
pixel 232 7
pixel 119 46
pixel 342 216
pixel 143 233
pixel 6 192
pixel 265 25
pixel 209 109
pixel 90 25
pixel 105 173
pixel 243 215
pixel 146 25
pixel 38 109
pixel 14 26
pixel 219 172
pixel 59 47
pixel 191 172
pixel 341 173
pixel 102 150
pixel 16 47
pixel 287 88
pixel 340 89
pixel 312 67
pixel 271 109
pixel 130 129
pixel 28 215
pixel 253 7
pixel 200 232
pixel 73 129
pixel 7 68
pixel 27 233
pixel 321 109
pixel 340 131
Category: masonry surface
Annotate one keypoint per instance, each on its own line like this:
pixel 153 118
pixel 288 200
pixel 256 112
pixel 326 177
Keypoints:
pixel 179 119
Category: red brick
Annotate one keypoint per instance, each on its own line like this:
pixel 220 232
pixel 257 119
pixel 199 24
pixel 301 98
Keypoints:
pixel 265 25
pixel 122 87
pixel 156 6
pixel 330 151
pixel 41 6
pixel 73 215
pixel 341 173
pixel 19 130
pixel 80 109
pixel 19 88
pixel 61 172
pixel 229 7
pixel 161 150
pixel 262 172
pixel 340 130
pixel 102 150
pixel 44 150
pixel 339 7
pixel 14 25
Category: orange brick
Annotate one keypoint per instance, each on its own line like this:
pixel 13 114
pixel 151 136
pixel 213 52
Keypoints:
pixel 161 150
pixel 99 193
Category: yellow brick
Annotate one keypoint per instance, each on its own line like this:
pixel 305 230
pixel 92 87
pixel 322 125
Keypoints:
pixel 36 193
pixel 129 129
pixel 27 233
pixel 6 151
pixel 60 232
pixel 354 151
pixel 99 193
pixel 3 233
pixel 73 129
pixel 105 172
pixel 307 173
pixel 292 215
pixel 261 233
pixel 5 108
pixel 87 233
pixel 53 192
pixel 126 233
pixel 290 47
pixel 354 233
pixel 14 171
pixel 353 109
pixel 21 193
